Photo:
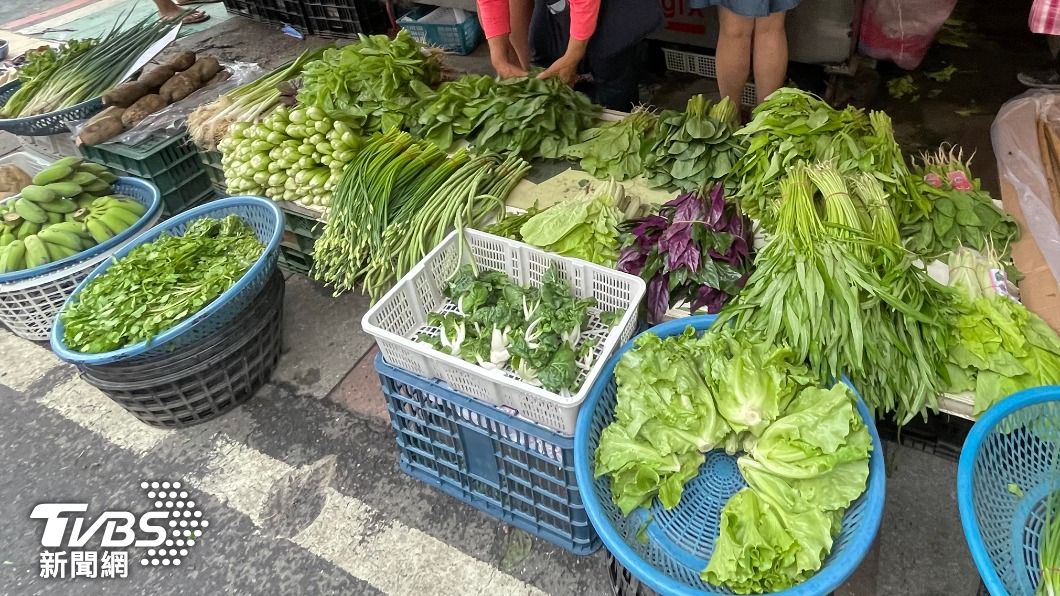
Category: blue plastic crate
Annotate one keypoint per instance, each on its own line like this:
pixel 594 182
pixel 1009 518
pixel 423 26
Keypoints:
pixel 51 123
pixel 1008 470
pixel 261 214
pixel 512 469
pixel 444 32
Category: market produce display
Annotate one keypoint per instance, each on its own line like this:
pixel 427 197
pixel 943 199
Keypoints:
pixel 209 123
pixel 82 69
pixel 372 83
pixel 441 117
pixel 584 227
pixel 291 155
pixel 997 346
pixel 688 150
pixel 159 284
pixel 615 150
pixel 961 212
pixel 396 200
pixel 825 262
pixel 66 209
pixel 697 250
pixel 535 332
pixel 792 126
pixel 804 450
pixel 132 101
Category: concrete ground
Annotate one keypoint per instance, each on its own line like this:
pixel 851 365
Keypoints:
pixel 301 485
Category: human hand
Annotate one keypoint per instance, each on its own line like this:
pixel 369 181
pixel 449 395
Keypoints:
pixel 564 69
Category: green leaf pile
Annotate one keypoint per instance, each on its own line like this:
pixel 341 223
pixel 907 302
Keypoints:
pixel 805 449
pixel 441 118
pixel 585 228
pixel 159 284
pixel 615 150
pixel 374 81
pixel 961 212
pixel 690 149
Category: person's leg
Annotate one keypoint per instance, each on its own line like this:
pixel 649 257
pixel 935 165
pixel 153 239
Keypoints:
pixel 168 9
pixel 733 57
pixel 1045 78
pixel 770 55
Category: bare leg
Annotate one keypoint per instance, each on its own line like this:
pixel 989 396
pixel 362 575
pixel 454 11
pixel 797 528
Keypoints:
pixel 168 9
pixel 733 58
pixel 770 54
pixel 521 11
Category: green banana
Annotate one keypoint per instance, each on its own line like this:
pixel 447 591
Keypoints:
pixel 29 211
pixel 36 254
pixel 64 189
pixel 115 224
pixel 82 178
pixel 38 194
pixel 53 173
pixel 93 168
pixel 28 228
pixel 131 205
pixel 14 257
pixel 7 237
pixel 99 231
pixel 70 227
pixel 60 206
pixel 97 186
pixel 66 239
pixel 120 213
pixel 54 218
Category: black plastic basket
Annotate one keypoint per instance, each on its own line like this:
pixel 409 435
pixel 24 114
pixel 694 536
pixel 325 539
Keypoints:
pixel 346 18
pixel 941 435
pixel 622 581
pixel 273 12
pixel 205 379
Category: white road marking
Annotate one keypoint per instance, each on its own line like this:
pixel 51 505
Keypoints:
pixel 22 362
pixel 82 403
pixel 393 558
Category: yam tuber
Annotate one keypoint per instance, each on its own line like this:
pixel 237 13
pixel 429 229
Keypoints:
pixel 126 94
pixel 102 127
pixel 181 61
pixel 203 70
pixel 156 77
pixel 144 107
pixel 179 87
pixel 224 75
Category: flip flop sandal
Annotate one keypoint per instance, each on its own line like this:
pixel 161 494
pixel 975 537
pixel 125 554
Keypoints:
pixel 191 2
pixel 195 18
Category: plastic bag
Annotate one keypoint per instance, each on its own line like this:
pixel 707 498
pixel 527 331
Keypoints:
pixel 901 30
pixel 1014 135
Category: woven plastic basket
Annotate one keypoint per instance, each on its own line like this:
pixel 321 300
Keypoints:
pixel 30 299
pixel 680 541
pixel 1008 467
pixel 399 317
pixel 261 214
pixel 52 123
pixel 206 379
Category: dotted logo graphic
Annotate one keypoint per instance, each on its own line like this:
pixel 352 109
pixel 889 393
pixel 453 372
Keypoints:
pixel 185 524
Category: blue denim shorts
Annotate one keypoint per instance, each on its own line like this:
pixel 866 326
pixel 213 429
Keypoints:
pixel 749 8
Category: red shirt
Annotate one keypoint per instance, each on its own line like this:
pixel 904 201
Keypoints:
pixel 496 18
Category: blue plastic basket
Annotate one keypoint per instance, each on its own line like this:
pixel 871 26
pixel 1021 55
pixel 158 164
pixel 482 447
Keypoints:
pixel 267 221
pixel 1007 469
pixel 680 541
pixel 52 123
pixel 141 191
pixel 457 38
pixel 517 471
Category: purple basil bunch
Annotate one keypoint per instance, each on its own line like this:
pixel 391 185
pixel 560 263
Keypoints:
pixel 696 250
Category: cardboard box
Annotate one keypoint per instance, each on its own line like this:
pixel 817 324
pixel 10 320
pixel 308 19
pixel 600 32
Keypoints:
pixel 1039 290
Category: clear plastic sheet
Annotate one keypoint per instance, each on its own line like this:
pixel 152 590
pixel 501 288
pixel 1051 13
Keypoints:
pixel 1015 138
pixel 175 114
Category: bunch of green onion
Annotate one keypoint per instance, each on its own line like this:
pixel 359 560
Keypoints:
pixel 209 123
pixel 90 73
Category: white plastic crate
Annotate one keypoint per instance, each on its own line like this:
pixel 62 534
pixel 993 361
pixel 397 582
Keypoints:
pixel 398 319
pixel 704 66
pixel 52 146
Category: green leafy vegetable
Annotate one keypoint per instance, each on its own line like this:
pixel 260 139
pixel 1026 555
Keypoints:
pixel 584 227
pixel 615 150
pixel 159 284
pixel 688 150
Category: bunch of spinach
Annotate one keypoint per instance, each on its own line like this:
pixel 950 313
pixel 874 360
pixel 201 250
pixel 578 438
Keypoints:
pixel 529 116
pixel 615 149
pixel 535 332
pixel 697 250
pixel 159 284
pixel 961 212
pixel 793 126
pixel 441 117
pixel 374 81
pixel 690 149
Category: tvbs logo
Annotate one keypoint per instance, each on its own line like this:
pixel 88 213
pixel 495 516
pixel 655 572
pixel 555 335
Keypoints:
pixel 166 530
